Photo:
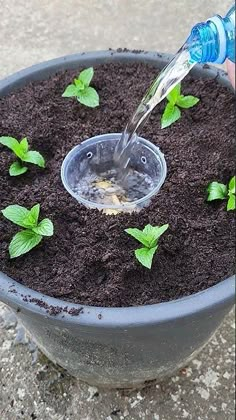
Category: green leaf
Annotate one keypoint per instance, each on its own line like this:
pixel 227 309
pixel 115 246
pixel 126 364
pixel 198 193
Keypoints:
pixel 138 235
pixel 86 76
pixel 35 158
pixel 153 233
pixel 171 114
pixel 34 214
pixel 44 228
pixel 31 220
pixel 79 85
pixel 174 94
pixel 13 145
pixel 9 142
pixel 70 91
pixel 17 169
pixel 145 256
pixel 231 202
pixel 88 97
pixel 23 242
pixel 149 235
pixel 16 214
pixel 187 101
pixel 232 185
pixel 24 145
pixel 216 191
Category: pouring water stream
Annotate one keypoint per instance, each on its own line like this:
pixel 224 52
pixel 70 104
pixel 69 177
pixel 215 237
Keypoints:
pixel 169 77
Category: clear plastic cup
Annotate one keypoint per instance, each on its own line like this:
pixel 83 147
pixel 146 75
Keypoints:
pixel 88 169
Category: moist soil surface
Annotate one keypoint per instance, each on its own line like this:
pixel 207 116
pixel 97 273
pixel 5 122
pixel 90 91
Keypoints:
pixel 90 259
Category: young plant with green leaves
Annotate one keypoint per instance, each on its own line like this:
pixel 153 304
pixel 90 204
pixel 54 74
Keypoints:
pixel 33 232
pixel 23 154
pixel 148 237
pixel 81 89
pixel 218 191
pixel 172 112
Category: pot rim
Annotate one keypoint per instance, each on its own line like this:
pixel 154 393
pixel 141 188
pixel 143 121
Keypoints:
pixel 14 293
pixel 19 297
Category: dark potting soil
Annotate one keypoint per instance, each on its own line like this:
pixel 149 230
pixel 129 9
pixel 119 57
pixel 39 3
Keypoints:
pixel 90 259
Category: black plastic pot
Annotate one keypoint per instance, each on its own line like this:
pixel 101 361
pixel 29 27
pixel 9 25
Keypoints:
pixel 117 347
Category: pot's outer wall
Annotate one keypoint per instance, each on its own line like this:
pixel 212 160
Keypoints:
pixel 118 347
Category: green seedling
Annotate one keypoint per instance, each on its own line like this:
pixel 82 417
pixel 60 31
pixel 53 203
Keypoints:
pixel 176 101
pixel 217 191
pixel 81 90
pixel 22 152
pixel 148 237
pixel 33 232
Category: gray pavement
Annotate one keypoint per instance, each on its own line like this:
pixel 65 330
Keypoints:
pixel 36 30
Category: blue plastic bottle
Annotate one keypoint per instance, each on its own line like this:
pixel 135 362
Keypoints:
pixel 214 40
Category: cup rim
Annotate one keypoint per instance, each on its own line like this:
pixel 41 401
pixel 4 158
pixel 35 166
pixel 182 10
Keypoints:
pixel 129 205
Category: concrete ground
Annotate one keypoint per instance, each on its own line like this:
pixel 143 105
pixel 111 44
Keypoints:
pixel 33 31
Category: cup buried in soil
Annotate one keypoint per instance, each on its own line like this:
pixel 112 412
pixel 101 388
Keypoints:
pixel 90 175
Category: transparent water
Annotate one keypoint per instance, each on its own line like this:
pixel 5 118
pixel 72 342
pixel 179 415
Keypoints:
pixel 169 77
pixel 109 188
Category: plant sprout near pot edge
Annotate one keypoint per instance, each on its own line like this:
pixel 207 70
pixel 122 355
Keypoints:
pixel 81 89
pixel 22 152
pixel 33 232
pixel 218 191
pixel 176 101
pixel 148 237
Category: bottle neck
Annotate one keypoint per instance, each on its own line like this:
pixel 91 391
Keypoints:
pixel 207 41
